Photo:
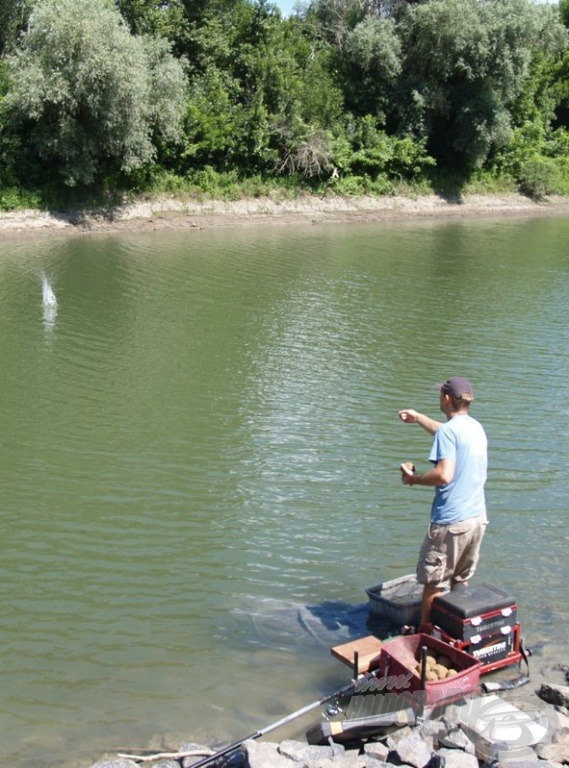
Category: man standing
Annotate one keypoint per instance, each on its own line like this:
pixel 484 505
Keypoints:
pixel 451 548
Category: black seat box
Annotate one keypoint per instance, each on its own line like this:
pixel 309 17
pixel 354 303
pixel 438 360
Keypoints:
pixel 466 612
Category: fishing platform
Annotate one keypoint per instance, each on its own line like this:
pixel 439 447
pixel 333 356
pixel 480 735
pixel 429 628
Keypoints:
pixel 481 621
pixel 475 631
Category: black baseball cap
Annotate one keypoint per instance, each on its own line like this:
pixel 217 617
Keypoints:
pixel 457 387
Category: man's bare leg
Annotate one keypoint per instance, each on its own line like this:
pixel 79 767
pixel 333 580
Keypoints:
pixel 429 594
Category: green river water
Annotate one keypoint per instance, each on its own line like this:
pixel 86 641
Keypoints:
pixel 201 436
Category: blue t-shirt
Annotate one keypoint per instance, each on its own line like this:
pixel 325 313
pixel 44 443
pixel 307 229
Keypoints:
pixel 463 440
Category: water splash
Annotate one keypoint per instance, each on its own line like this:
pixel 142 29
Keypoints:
pixel 49 298
pixel 49 303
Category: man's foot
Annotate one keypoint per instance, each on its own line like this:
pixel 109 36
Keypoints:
pixel 425 629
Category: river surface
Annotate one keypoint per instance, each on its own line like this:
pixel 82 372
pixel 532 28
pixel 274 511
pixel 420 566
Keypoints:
pixel 200 439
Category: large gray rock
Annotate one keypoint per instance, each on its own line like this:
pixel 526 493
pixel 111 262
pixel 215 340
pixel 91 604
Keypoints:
pixel 412 750
pixel 558 751
pixel 162 764
pixel 432 731
pixel 264 754
pixel 529 762
pixel 376 750
pixel 300 752
pixel 455 738
pixel 561 724
pixel 350 759
pixel 396 736
pixel 455 758
pixel 371 762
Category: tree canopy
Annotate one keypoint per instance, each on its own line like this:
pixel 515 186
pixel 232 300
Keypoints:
pixel 355 95
pixel 88 93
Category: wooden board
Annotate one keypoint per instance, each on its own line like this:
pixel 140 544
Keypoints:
pixel 368 648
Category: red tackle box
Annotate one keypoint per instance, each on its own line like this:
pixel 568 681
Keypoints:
pixel 398 660
pixel 492 651
pixel 469 612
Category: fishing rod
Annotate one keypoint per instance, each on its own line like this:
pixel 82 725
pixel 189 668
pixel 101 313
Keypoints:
pixel 273 727
pixel 345 691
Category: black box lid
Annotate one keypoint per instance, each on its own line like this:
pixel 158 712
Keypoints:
pixel 467 602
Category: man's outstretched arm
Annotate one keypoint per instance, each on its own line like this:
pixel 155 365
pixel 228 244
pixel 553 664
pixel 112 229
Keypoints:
pixel 409 416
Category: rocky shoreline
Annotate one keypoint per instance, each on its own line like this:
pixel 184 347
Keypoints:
pixel 174 214
pixel 537 738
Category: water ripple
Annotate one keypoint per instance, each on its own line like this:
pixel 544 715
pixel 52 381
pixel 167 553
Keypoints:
pixel 210 421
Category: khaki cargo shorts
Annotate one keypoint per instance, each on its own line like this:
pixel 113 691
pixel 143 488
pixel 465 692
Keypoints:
pixel 450 553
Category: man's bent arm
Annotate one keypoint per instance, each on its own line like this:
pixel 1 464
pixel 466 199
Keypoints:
pixel 441 474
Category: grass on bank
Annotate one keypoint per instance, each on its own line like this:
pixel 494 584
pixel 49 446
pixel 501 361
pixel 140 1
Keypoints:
pixel 539 180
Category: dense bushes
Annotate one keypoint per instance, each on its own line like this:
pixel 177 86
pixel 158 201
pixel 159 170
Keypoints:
pixel 345 96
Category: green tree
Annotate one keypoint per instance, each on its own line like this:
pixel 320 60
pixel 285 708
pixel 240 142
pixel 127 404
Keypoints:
pixel 336 18
pixel 261 92
pixel 564 11
pixel 371 63
pixel 89 96
pixel 466 64
pixel 560 82
pixel 160 18
pixel 227 121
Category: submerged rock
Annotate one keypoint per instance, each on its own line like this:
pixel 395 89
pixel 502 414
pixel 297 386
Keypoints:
pixel 554 694
pixel 115 762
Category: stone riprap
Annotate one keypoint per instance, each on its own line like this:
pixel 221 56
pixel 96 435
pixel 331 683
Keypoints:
pixel 435 743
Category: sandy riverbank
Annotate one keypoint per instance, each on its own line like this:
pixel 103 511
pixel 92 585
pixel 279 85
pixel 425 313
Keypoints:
pixel 170 214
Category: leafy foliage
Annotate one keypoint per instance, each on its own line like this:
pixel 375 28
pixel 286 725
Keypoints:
pixel 564 11
pixel 153 17
pixel 372 62
pixel 370 152
pixel 467 62
pixel 540 177
pixel 349 96
pixel 88 93
pixel 13 18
